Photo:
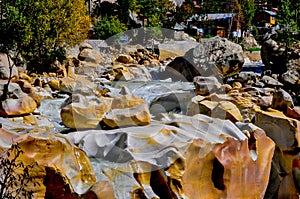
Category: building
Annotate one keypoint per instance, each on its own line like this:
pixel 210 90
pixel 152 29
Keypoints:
pixel 265 18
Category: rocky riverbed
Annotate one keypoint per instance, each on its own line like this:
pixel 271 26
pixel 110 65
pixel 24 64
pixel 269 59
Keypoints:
pixel 125 123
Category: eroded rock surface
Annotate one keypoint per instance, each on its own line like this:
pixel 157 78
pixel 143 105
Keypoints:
pixel 182 157
pixel 45 150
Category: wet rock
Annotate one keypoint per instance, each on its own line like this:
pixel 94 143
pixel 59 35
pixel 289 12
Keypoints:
pixel 175 101
pixel 44 150
pixel 27 124
pixel 80 112
pixel 206 85
pixel 4 67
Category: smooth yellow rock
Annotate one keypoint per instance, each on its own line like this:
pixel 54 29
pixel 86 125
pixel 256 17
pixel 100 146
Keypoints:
pixel 53 151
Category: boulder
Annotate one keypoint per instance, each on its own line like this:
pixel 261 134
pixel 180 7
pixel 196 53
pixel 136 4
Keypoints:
pixel 27 124
pixel 127 110
pixel 284 131
pixel 216 56
pixel 78 84
pixel 54 84
pixel 138 115
pixel 4 67
pixel 206 85
pixel 80 112
pixel 175 48
pixel 174 101
pixel 215 109
pixel 179 156
pixel 282 101
pixel 125 59
pixel 46 150
pixel 17 102
pixel 90 56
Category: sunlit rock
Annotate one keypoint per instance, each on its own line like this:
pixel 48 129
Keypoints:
pixel 17 102
pixel 138 115
pixel 217 109
pixel 284 131
pixel 178 156
pixel 127 110
pixel 44 150
pixel 125 59
pixel 79 111
pixel 282 100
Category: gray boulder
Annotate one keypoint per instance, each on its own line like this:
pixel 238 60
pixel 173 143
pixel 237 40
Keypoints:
pixel 212 57
pixel 4 67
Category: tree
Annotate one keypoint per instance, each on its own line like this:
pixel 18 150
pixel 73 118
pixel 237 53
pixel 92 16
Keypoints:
pixel 41 30
pixel 248 11
pixel 185 11
pixel 107 26
pixel 124 7
pixel 287 20
pixel 154 11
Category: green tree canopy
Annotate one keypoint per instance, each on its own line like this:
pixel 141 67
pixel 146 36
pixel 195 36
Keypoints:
pixel 155 11
pixel 41 29
pixel 107 26
pixel 248 11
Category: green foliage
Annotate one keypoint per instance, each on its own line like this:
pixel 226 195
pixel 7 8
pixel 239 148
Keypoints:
pixel 287 18
pixel 253 49
pixel 124 7
pixel 106 27
pixel 155 11
pixel 185 11
pixel 41 29
pixel 248 11
pixel 15 176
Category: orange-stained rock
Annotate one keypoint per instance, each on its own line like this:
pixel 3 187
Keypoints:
pixel 81 112
pixel 284 131
pixel 126 59
pixel 178 156
pixel 229 169
pixel 293 112
pixel 54 151
pixel 138 115
pixel 14 107
pixel 217 109
pixel 54 84
pixel 126 101
pixel 100 190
